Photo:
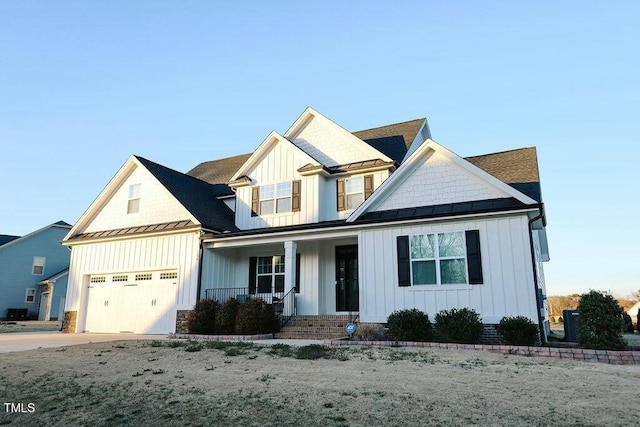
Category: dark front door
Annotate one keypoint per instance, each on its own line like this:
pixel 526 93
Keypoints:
pixel 347 278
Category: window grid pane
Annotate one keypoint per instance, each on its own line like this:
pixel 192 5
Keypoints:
pixel 283 189
pixel 283 205
pixel 266 206
pixel 354 200
pixel 453 271
pixel 354 185
pixel 424 272
pixel 266 192
pixel 423 247
pixel 451 245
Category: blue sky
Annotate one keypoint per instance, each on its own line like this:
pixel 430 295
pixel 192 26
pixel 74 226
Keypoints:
pixel 85 84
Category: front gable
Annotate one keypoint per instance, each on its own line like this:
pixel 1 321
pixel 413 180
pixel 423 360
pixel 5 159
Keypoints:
pixel 433 176
pixel 276 159
pixel 115 208
pixel 329 143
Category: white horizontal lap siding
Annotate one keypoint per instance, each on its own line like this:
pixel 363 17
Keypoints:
pixel 157 205
pixel 437 181
pixel 143 254
pixel 507 290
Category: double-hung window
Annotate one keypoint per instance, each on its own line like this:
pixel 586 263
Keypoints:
pixel 38 265
pixel 436 259
pixel 30 295
pixel 354 189
pixel 275 198
pixel 133 204
pixel 270 274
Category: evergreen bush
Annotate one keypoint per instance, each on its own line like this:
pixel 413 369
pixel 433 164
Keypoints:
pixel 409 325
pixel 202 318
pixel 226 317
pixel 461 326
pixel 628 323
pixel 600 322
pixel 518 330
pixel 256 317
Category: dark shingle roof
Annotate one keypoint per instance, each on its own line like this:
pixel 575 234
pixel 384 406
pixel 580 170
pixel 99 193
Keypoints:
pixel 518 168
pixel 219 171
pixel 392 140
pixel 198 197
pixel 5 238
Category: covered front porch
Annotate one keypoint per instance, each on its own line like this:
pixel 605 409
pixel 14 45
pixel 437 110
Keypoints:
pixel 310 275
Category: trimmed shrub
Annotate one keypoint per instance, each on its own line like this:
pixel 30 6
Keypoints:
pixel 256 317
pixel 518 330
pixel 226 317
pixel 461 326
pixel 202 318
pixel 628 323
pixel 600 322
pixel 409 325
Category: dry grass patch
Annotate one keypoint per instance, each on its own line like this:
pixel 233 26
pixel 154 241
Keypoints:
pixel 29 326
pixel 187 383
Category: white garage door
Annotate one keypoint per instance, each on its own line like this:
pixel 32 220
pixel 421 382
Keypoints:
pixel 139 302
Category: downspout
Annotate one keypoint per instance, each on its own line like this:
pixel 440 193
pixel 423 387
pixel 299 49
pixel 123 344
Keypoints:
pixel 543 338
pixel 200 262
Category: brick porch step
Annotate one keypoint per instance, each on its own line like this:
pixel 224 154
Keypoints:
pixel 315 327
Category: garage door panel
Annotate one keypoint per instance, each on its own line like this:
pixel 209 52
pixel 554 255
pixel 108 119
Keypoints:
pixel 136 302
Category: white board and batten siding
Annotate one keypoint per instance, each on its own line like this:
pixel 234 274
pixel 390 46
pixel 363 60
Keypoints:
pixel 508 288
pixel 143 255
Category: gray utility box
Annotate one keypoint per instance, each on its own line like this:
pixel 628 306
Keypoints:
pixel 570 321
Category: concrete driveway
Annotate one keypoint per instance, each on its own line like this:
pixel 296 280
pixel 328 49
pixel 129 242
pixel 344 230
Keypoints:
pixel 20 341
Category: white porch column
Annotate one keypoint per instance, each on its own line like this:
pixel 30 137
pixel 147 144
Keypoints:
pixel 290 249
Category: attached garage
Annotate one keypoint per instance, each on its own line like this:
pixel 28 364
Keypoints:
pixel 141 302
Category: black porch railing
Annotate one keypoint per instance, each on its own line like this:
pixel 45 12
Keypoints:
pixel 284 305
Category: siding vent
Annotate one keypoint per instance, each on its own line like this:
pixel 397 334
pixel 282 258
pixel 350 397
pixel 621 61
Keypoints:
pixel 145 276
pixel 170 275
pixel 98 279
pixel 120 278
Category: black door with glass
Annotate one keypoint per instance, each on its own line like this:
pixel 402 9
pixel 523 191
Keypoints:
pixel 347 278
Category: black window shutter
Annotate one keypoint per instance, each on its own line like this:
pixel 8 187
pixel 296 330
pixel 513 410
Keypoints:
pixel 404 269
pixel 342 198
pixel 253 274
pixel 255 199
pixel 474 259
pixel 295 196
pixel 297 273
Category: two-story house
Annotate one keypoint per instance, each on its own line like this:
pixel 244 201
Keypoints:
pixel 323 223
pixel 33 274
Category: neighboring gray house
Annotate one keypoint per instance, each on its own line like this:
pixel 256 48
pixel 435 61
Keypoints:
pixel 33 274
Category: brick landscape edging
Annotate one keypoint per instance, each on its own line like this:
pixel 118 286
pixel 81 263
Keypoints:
pixel 581 354
pixel 197 337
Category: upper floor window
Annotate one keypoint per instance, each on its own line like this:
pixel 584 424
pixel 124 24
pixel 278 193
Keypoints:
pixel 38 265
pixel 275 198
pixel 133 205
pixel 354 190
